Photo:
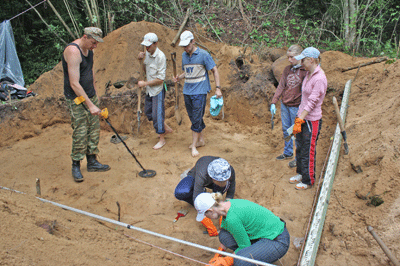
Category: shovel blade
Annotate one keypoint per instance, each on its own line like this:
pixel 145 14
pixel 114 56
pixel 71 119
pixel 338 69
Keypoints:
pixel 178 115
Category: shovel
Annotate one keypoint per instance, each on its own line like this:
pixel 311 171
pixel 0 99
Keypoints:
pixel 341 125
pixel 177 113
pixel 290 132
pixel 272 121
pixel 139 90
pixel 181 213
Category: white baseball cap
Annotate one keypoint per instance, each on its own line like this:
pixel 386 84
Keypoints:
pixel 149 39
pixel 202 203
pixel 186 37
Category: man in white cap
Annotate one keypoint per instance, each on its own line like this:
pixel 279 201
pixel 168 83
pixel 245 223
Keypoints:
pixel 209 172
pixel 196 63
pixel 155 65
pixel 77 62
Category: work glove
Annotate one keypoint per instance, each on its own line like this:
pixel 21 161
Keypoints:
pixel 297 125
pixel 216 256
pixel 273 109
pixel 223 261
pixel 211 229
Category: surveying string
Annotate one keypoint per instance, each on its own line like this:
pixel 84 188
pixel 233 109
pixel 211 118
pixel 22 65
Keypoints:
pixel 147 231
pixel 166 250
pixel 27 10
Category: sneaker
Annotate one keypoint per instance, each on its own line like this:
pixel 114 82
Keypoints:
pixel 284 157
pixel 302 186
pixel 292 164
pixel 295 179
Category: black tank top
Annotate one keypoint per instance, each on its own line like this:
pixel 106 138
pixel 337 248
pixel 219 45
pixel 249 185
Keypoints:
pixel 86 75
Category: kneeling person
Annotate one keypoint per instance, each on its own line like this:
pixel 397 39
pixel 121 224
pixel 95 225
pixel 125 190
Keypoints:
pixel 250 230
pixel 209 172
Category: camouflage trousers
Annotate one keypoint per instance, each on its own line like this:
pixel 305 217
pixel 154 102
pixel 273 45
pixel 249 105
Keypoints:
pixel 86 126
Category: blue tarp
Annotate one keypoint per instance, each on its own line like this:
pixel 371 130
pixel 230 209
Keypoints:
pixel 10 67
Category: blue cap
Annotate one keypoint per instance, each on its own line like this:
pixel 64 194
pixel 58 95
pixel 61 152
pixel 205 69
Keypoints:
pixel 308 52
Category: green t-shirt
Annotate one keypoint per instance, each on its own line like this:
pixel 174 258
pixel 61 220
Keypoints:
pixel 247 221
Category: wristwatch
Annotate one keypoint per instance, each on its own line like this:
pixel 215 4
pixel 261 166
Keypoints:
pixel 218 87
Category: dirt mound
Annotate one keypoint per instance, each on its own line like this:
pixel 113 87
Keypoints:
pixel 36 141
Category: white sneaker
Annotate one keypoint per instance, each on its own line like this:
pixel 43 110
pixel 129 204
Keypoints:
pixel 295 179
pixel 302 186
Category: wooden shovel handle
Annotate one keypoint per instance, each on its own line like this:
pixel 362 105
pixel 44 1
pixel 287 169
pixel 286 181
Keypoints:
pixel 143 76
pixel 173 58
pixel 339 118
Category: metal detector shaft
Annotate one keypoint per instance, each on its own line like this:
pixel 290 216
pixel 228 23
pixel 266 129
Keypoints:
pixel 126 146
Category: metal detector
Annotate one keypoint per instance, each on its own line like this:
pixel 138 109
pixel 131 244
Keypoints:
pixel 104 113
pixel 145 173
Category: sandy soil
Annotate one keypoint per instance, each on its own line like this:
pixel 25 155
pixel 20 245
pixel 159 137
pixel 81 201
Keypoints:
pixel 35 142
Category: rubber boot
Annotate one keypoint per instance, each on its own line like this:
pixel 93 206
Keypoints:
pixel 76 171
pixel 94 166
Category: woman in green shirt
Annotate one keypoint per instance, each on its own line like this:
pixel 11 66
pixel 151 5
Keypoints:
pixel 247 228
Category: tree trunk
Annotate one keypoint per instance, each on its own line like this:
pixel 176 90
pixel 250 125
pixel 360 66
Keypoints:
pixel 350 20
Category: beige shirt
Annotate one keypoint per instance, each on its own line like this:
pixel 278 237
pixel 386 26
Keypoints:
pixel 156 65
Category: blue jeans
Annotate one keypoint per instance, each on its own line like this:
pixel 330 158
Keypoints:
pixel 196 106
pixel 262 249
pixel 288 115
pixel 184 190
pixel 155 111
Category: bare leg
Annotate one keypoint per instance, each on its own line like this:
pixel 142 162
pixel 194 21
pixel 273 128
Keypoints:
pixel 195 137
pixel 200 142
pixel 162 141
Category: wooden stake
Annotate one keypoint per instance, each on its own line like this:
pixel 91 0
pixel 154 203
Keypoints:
pixel 119 212
pixel 38 186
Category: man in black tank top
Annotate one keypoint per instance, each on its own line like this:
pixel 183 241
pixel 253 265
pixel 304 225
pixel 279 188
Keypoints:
pixel 77 64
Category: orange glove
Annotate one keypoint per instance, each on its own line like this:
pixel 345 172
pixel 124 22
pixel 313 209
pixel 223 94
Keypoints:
pixel 211 229
pixel 297 125
pixel 216 256
pixel 223 261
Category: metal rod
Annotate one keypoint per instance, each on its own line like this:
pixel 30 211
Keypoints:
pixel 126 146
pixel 155 234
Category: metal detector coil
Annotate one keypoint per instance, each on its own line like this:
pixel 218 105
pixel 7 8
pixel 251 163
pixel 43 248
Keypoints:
pixel 147 173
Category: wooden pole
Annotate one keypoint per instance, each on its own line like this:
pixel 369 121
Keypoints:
pixel 62 21
pixel 379 60
pixel 73 20
pixel 40 16
pixel 181 28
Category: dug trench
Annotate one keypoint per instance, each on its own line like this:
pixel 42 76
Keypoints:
pixel 35 142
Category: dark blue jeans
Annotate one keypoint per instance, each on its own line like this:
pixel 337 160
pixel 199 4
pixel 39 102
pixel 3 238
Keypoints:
pixel 155 111
pixel 196 107
pixel 184 190
pixel 262 249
